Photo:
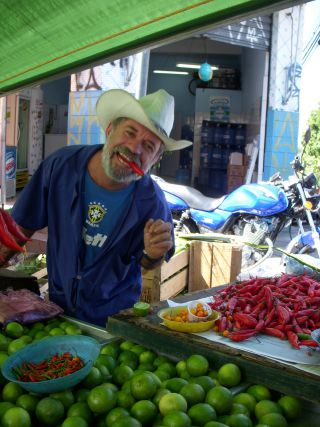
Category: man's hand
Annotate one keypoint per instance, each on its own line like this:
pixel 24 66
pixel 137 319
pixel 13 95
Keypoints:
pixel 157 238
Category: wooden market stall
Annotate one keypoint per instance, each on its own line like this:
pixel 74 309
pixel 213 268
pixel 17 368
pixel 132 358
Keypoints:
pixel 300 380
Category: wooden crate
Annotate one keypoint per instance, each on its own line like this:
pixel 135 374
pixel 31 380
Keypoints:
pixel 212 264
pixel 166 281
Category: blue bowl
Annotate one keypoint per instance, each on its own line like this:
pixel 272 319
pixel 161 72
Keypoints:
pixel 85 347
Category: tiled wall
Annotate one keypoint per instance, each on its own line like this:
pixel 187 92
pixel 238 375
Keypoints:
pixel 281 142
pixel 83 127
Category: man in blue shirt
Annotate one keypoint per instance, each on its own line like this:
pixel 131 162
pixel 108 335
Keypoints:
pixel 106 217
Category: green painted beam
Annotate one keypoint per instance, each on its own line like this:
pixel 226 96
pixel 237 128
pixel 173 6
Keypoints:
pixel 41 39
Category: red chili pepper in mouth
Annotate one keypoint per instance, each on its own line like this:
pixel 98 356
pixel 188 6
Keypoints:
pixel 133 165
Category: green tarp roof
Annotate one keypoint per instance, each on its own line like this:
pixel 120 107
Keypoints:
pixel 40 39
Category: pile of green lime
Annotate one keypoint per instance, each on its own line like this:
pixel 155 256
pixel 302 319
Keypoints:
pixel 131 385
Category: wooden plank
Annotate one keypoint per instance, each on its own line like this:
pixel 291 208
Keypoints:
pixel 154 282
pixel 213 264
pixel 275 374
pixel 200 261
pixel 41 273
pixel 226 263
pixel 44 289
pixel 176 263
pixel 174 286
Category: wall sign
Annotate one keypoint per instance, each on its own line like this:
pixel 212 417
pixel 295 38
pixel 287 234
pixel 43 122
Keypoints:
pixel 220 108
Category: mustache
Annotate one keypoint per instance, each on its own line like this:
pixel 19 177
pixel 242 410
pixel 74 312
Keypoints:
pixel 127 153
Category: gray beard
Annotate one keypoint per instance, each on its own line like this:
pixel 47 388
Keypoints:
pixel 117 175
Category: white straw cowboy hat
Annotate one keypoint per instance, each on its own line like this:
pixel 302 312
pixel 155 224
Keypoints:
pixel 154 111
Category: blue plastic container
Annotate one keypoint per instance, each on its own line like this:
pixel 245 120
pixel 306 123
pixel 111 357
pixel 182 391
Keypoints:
pixel 85 347
pixel 216 156
pixel 226 150
pixel 204 177
pixel 205 155
pixel 240 135
pixel 228 135
pixel 183 176
pixel 217 137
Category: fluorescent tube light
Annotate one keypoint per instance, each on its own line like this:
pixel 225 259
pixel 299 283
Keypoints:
pixel 170 72
pixel 195 66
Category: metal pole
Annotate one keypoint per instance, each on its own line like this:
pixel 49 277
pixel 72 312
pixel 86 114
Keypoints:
pixel 3 149
pixel 264 103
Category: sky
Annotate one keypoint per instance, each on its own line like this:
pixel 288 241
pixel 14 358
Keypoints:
pixel 310 78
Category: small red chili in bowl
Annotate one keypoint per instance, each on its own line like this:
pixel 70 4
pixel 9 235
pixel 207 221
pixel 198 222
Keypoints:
pixel 55 366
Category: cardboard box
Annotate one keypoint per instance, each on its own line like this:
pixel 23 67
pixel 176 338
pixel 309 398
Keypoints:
pixel 236 159
pixel 234 182
pixel 213 264
pixel 166 281
pixel 236 170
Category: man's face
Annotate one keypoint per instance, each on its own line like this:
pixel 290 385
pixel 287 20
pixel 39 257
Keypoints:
pixel 133 141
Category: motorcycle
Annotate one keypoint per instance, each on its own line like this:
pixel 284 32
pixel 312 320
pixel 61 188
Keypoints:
pixel 255 212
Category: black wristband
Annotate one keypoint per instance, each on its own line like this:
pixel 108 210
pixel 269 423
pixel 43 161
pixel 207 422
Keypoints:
pixel 152 260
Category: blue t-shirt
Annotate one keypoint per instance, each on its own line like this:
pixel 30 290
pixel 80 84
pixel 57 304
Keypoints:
pixel 102 209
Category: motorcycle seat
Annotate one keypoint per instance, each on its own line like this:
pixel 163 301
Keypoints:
pixel 194 198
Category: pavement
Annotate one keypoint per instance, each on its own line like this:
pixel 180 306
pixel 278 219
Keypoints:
pixel 272 266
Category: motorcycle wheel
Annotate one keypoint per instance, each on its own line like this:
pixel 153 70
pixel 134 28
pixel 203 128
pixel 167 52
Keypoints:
pixel 186 226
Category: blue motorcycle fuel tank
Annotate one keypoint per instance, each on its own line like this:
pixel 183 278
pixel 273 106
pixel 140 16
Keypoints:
pixel 255 199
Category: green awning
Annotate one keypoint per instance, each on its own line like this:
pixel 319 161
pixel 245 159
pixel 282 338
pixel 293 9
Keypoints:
pixel 40 39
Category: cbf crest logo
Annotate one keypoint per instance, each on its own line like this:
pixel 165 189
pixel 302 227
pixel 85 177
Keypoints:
pixel 96 213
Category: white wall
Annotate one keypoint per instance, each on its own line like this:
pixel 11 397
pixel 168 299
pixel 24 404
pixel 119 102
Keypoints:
pixel 253 63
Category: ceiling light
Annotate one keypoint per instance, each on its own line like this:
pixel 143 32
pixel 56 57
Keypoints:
pixel 170 72
pixel 195 66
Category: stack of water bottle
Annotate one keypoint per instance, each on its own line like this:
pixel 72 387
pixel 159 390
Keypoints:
pixel 218 141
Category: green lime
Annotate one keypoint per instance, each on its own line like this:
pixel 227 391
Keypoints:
pixel 291 407
pixel 13 330
pixel 16 417
pixel 49 411
pixel 141 308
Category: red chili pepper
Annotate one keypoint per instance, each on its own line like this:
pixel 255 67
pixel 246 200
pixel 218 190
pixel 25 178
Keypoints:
pixel 260 325
pixel 302 319
pixel 274 332
pixel 13 227
pixel 132 165
pixel 283 314
pixel 5 237
pixel 293 339
pixel 232 304
pixel 307 312
pixel 242 335
pixel 280 327
pixel 309 343
pixel 222 324
pixel 246 319
pixel 270 316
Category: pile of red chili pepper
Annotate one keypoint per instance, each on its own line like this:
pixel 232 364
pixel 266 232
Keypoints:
pixel 53 367
pixel 287 307
pixel 10 234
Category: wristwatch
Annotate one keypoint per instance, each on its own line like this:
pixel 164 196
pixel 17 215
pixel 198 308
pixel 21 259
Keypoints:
pixel 152 260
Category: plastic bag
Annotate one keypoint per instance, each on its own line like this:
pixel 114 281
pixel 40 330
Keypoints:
pixel 24 306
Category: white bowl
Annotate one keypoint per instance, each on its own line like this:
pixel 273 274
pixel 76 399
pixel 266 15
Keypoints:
pixel 194 318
